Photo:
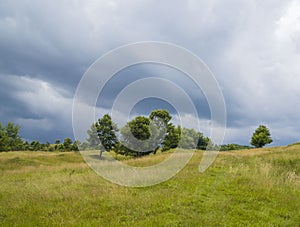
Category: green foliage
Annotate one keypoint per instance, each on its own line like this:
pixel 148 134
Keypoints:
pixel 35 146
pixel 203 142
pixel 149 134
pixel 144 135
pixel 9 138
pixel 107 132
pixel 76 145
pixel 134 137
pixel 165 134
pixel 67 144
pixel 232 146
pixel 191 139
pixel 172 138
pixel 58 146
pixel 161 117
pixel 3 139
pixel 93 141
pixel 261 137
pixel 140 127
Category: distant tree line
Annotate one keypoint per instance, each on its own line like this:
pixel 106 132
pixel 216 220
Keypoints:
pixel 144 135
pixel 140 136
pixel 10 140
pixel 233 146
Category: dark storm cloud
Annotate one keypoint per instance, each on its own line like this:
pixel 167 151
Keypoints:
pixel 252 49
pixel 149 70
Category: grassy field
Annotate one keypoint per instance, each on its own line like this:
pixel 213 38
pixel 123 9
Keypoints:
pixel 259 187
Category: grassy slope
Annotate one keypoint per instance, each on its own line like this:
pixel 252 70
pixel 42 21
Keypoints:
pixel 250 187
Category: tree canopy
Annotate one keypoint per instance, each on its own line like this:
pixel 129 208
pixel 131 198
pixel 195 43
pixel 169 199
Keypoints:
pixel 144 135
pixel 140 136
pixel 107 130
pixel 10 140
pixel 261 137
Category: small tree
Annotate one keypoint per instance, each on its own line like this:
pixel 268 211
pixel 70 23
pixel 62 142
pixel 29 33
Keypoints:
pixel 106 130
pixel 67 144
pixel 261 137
pixel 203 141
pixel 9 137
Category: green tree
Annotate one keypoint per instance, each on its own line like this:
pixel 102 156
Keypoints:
pixel 10 138
pixel 142 135
pixel 189 138
pixel 3 139
pixel 68 144
pixel 160 117
pixel 57 145
pixel 203 141
pixel 15 142
pixel 145 135
pixel 35 146
pixel 164 132
pixel 139 127
pixel 134 137
pixel 172 138
pixel 107 133
pixel 26 146
pixel 45 146
pixel 93 139
pixel 261 137
pixel 76 145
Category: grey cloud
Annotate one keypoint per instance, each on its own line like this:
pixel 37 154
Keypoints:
pixel 42 110
pixel 127 76
pixel 251 47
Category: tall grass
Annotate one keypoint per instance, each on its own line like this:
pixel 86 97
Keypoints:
pixel 259 187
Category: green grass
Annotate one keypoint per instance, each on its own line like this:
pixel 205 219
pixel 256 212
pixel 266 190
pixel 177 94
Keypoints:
pixel 259 187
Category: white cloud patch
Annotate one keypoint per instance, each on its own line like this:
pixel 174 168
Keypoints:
pixel 288 26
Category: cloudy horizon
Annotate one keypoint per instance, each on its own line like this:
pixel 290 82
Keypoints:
pixel 252 48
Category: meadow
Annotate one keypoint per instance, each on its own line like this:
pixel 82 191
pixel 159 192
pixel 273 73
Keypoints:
pixel 257 187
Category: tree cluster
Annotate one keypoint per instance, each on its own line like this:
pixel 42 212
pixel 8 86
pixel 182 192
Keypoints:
pixel 144 135
pixel 140 136
pixel 10 140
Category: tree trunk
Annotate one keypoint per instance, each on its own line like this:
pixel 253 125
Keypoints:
pixel 100 155
pixel 156 149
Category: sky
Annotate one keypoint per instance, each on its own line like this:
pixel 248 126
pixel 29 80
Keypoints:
pixel 251 47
